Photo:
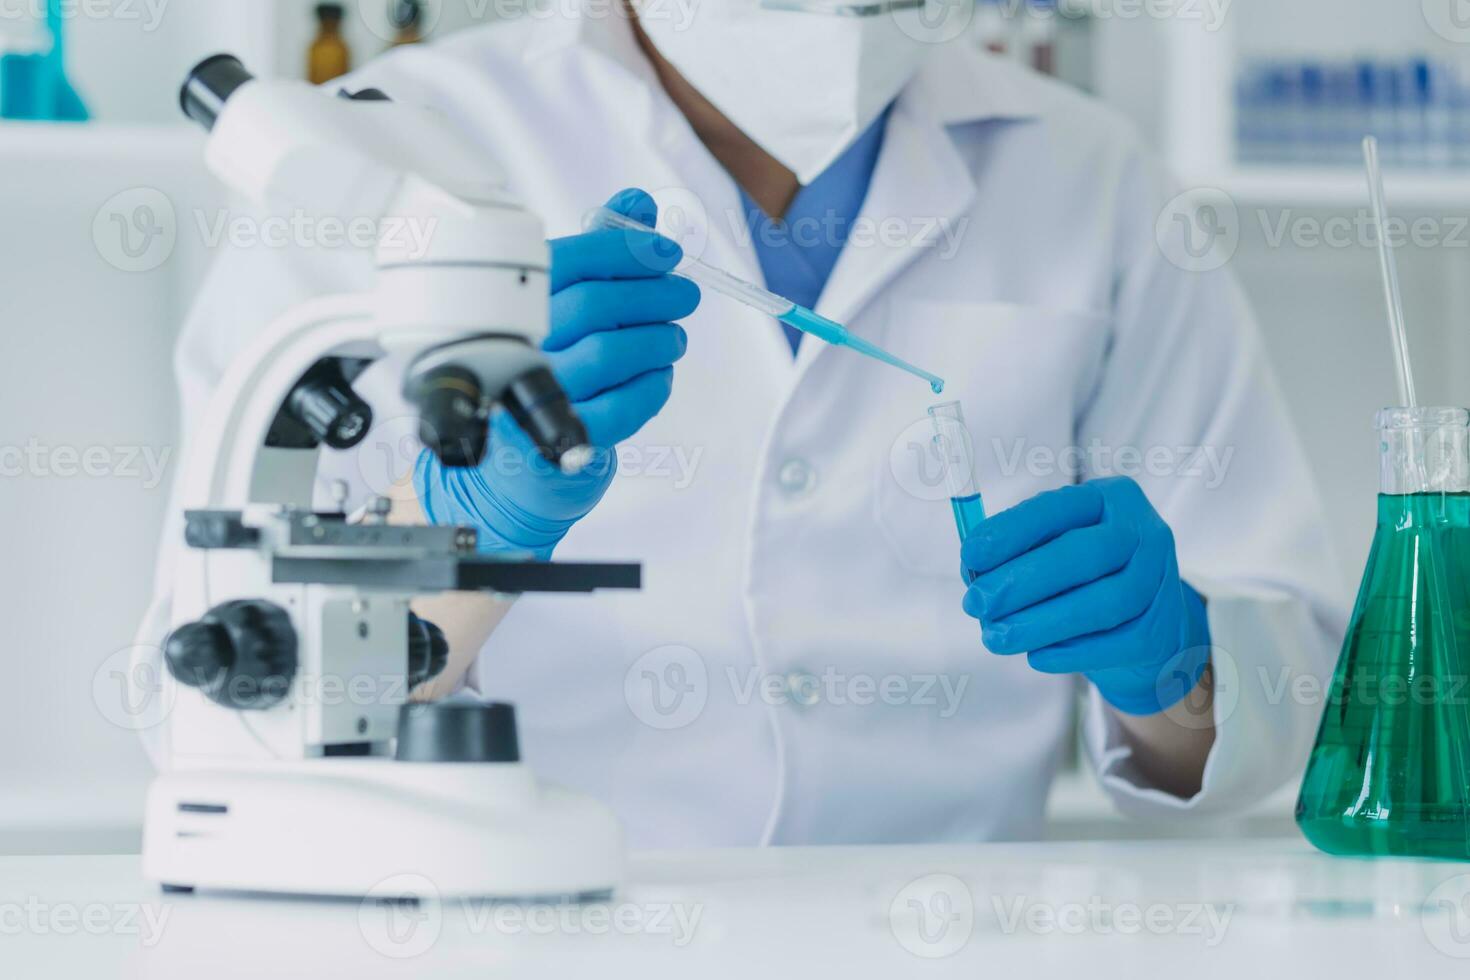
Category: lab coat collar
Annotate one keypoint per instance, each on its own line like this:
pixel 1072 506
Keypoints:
pixel 599 27
pixel 921 177
pixel 959 84
pixel 963 84
pixel 920 173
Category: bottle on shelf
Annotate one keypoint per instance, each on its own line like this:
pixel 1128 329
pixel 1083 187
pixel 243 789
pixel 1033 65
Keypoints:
pixel 329 57
pixel 33 79
pixel 1347 119
pixel 407 18
pixel 1038 36
pixel 1309 118
pixel 1458 84
pixel 1054 37
pixel 1379 89
pixel 1265 111
pixel 1436 102
pixel 1411 109
pixel 1317 112
pixel 993 26
pixel 1076 44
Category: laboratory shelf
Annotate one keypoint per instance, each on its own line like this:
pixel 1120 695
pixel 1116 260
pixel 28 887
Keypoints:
pixel 1337 188
pixel 103 143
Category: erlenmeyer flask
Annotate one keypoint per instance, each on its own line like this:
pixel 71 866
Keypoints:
pixel 1390 773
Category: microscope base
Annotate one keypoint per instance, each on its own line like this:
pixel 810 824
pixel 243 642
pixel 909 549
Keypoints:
pixel 379 828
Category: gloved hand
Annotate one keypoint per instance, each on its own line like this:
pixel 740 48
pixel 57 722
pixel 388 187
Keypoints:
pixel 613 344
pixel 1085 580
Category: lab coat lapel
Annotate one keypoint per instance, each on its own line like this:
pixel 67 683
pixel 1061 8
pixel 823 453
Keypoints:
pixel 702 208
pixel 699 204
pixel 921 184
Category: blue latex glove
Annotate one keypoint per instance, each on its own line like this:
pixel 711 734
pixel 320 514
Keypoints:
pixel 1085 581
pixel 613 344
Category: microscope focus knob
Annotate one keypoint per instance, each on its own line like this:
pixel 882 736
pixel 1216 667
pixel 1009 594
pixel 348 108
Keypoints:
pixel 240 655
pixel 428 651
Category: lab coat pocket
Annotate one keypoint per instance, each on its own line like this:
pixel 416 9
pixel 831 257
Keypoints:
pixel 1022 375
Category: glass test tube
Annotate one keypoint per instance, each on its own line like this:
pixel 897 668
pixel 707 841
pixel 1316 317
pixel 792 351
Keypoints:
pixel 955 449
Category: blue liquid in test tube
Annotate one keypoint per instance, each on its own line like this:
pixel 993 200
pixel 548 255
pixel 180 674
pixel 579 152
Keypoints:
pixel 955 450
pixel 968 513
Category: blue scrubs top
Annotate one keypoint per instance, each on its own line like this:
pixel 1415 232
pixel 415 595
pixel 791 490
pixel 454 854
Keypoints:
pixel 798 254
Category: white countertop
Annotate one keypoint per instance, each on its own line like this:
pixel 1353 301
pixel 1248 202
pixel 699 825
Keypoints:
pixel 1125 909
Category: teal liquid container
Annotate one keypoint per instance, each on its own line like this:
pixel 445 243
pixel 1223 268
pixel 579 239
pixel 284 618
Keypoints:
pixel 1389 774
pixel 969 511
pixel 955 450
pixel 33 83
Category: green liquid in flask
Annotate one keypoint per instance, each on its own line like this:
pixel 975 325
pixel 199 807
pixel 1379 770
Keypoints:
pixel 1390 772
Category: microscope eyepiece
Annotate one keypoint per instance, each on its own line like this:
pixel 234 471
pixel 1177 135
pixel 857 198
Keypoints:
pixel 210 85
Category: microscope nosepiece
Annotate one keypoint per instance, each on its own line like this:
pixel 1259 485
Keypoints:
pixel 541 408
pixel 453 423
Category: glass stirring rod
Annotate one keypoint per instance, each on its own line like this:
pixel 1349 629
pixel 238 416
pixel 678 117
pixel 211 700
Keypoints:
pixel 767 302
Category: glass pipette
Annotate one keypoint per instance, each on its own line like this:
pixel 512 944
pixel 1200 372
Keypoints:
pixel 1390 270
pixel 767 302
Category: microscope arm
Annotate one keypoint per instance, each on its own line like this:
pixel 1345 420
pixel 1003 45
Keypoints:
pixel 299 765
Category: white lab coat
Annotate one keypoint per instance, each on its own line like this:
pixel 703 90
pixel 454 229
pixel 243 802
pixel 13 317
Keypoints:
pixel 802 578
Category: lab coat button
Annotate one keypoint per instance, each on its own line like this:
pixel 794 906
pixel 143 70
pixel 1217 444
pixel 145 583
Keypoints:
pixel 803 689
pixel 797 477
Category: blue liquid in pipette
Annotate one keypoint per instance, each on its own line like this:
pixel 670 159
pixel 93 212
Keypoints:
pixel 968 513
pixel 837 335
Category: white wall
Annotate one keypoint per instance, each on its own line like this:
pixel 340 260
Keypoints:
pixel 1334 27
pixel 87 363
pixel 1322 313
pixel 85 366
pixel 128 69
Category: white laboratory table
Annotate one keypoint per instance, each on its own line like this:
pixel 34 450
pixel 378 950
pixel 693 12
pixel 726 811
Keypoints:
pixel 1252 909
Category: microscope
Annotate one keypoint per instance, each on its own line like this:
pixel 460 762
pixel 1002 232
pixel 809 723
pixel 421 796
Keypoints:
pixel 299 764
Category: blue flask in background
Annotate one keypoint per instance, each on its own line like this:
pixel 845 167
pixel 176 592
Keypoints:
pixel 33 84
